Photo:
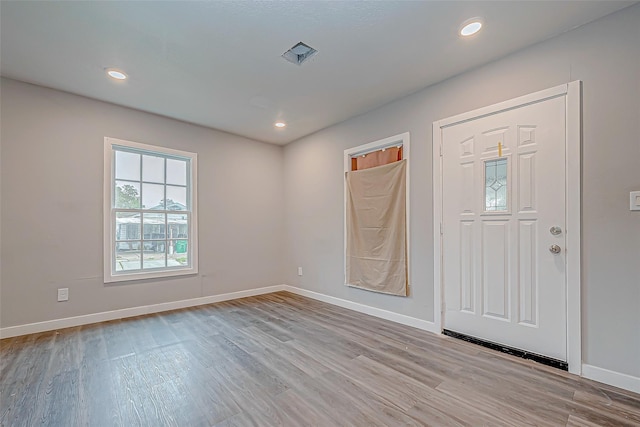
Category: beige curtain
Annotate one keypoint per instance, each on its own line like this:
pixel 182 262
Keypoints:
pixel 376 229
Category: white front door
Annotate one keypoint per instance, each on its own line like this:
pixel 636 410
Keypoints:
pixel 503 215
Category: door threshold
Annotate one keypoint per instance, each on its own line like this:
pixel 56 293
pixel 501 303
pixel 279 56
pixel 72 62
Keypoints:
pixel 523 354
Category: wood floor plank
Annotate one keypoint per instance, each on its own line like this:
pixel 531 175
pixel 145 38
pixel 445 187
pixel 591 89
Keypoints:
pixel 285 360
pixel 24 388
pixel 97 393
pixel 575 421
pixel 212 398
pixel 609 400
pixel 62 402
pixel 351 404
pixel 515 392
pixel 300 410
pixel 306 363
pixel 491 405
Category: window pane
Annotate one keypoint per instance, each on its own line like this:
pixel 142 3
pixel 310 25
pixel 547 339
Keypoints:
pixel 176 172
pixel 128 256
pixel 495 185
pixel 154 254
pixel 178 253
pixel 176 198
pixel 127 226
pixel 154 226
pixel 153 196
pixel 127 165
pixel 153 169
pixel 178 225
pixel 127 195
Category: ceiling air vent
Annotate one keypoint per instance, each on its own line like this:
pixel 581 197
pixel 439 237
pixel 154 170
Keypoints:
pixel 299 53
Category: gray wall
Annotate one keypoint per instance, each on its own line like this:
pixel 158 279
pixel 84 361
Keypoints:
pixel 52 175
pixel 605 55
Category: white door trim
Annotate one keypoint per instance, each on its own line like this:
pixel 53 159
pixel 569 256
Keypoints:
pixel 572 92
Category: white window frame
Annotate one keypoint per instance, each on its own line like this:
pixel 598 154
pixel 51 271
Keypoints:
pixel 403 140
pixel 110 275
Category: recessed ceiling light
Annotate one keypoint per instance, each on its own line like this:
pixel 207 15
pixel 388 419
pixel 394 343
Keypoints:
pixel 116 74
pixel 280 124
pixel 471 27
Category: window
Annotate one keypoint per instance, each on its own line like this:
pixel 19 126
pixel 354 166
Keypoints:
pixel 495 185
pixel 150 224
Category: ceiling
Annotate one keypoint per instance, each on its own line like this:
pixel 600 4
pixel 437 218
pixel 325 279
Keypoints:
pixel 219 64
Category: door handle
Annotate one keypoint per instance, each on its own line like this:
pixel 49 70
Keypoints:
pixel 555 249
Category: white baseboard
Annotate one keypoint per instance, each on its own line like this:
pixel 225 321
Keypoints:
pixel 616 379
pixel 366 309
pixel 68 322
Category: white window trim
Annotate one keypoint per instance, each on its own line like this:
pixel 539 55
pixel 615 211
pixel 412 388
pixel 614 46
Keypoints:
pixel 392 141
pixel 108 232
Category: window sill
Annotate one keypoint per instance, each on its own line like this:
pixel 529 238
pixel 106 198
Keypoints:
pixel 131 277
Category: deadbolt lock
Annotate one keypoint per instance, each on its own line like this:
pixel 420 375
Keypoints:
pixel 555 230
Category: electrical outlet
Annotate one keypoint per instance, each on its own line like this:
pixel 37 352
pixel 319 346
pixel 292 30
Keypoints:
pixel 634 197
pixel 299 271
pixel 63 294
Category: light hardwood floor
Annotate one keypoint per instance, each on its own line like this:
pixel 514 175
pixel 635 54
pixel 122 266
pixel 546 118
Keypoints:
pixel 282 359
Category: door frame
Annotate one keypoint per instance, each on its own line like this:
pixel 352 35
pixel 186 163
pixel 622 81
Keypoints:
pixel 573 115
